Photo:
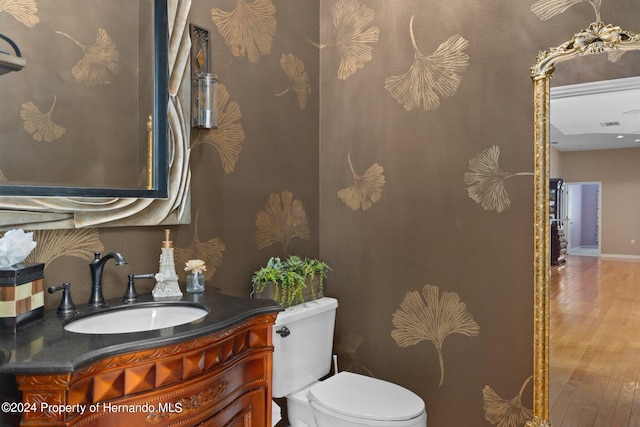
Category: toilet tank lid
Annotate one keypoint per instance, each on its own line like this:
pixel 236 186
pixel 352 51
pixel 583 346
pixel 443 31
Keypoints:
pixel 364 397
pixel 309 308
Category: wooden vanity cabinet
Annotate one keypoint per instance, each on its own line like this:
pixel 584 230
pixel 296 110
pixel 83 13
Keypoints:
pixel 222 379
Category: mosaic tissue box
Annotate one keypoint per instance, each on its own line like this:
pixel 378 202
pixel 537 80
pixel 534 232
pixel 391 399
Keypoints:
pixel 21 296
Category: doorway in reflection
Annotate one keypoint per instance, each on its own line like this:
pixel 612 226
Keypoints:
pixel 582 220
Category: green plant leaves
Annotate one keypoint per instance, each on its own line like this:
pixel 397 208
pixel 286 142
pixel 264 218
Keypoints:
pixel 290 277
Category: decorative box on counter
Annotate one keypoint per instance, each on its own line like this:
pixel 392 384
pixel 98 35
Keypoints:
pixel 21 296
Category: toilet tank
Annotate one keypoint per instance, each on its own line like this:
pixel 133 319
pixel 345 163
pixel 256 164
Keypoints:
pixel 304 355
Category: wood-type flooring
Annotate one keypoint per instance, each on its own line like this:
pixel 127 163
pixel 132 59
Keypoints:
pixel 595 343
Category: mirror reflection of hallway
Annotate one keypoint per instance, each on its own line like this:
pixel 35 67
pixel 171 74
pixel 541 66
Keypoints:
pixel 594 324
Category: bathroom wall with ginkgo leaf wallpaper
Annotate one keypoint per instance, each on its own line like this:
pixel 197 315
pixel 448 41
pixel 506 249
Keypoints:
pixel 393 139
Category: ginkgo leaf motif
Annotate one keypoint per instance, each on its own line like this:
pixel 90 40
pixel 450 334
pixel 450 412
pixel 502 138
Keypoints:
pixel 299 81
pixel 354 35
pixel 52 244
pixel 25 11
pixel 229 136
pixel 366 189
pixel 40 124
pixel 248 30
pixel 486 180
pixel 432 318
pixel 100 61
pixel 547 9
pixel 615 55
pixel 430 77
pixel 346 349
pixel 505 412
pixel 282 219
pixel 211 252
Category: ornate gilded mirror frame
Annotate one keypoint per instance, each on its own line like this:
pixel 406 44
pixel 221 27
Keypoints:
pixel 598 38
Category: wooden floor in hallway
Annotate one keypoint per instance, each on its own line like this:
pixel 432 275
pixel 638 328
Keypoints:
pixel 595 343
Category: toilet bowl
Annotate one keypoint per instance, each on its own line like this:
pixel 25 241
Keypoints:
pixel 302 340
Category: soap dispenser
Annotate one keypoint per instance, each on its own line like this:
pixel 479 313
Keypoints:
pixel 166 279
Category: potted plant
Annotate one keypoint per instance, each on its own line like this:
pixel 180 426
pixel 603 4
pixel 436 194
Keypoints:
pixel 292 281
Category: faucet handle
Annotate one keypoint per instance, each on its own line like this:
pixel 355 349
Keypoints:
pixel 66 306
pixel 131 295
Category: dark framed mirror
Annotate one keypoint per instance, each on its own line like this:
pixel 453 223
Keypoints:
pixel 168 201
pixel 88 112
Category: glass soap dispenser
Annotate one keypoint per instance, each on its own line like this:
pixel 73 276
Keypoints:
pixel 166 279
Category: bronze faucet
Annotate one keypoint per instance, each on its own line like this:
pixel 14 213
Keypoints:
pixel 96 266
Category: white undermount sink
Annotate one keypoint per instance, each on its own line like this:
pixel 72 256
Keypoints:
pixel 137 318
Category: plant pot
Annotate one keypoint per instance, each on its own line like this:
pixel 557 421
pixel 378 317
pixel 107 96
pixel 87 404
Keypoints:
pixel 311 289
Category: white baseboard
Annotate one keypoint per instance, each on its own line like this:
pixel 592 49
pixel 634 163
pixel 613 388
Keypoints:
pixel 620 256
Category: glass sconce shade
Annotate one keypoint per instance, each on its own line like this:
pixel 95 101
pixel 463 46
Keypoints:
pixel 207 104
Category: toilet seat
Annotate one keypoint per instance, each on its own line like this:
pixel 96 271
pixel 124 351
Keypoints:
pixel 364 399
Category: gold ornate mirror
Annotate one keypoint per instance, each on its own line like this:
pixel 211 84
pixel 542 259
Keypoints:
pixel 597 39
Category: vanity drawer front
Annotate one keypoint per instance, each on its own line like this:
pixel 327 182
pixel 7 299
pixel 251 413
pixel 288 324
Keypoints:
pixel 246 411
pixel 208 397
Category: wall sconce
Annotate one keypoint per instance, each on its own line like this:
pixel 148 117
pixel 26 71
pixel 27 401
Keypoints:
pixel 8 62
pixel 204 87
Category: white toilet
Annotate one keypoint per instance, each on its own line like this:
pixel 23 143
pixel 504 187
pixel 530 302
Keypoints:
pixel 303 339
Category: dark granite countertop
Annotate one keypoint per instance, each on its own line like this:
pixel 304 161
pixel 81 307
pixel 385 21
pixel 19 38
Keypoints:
pixel 45 347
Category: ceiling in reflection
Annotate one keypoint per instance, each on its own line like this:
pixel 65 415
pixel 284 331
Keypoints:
pixel 596 115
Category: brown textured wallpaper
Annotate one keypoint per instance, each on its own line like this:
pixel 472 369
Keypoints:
pixel 395 137
pixel 435 277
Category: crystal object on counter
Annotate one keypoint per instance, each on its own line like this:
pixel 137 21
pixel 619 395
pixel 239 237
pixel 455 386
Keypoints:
pixel 167 279
pixel 195 283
